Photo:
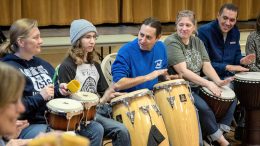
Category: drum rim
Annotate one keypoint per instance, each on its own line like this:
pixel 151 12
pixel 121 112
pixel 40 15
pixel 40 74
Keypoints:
pixel 217 98
pixel 238 76
pixel 247 81
pixel 170 84
pixel 58 110
pixel 120 100
pixel 84 101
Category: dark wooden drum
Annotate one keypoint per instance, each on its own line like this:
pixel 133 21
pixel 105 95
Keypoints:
pixel 247 88
pixel 64 114
pixel 219 105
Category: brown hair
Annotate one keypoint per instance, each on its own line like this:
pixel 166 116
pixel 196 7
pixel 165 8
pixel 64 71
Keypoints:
pixel 19 29
pixel 12 84
pixel 77 53
pixel 258 23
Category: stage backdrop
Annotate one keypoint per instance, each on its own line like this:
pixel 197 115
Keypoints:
pixel 62 12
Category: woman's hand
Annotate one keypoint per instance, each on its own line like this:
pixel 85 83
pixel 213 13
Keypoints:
pixel 18 142
pixel 63 89
pixel 225 82
pixel 47 92
pixel 214 88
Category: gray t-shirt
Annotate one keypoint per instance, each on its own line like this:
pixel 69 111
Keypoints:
pixel 194 54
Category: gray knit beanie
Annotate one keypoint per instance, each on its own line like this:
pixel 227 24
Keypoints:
pixel 80 27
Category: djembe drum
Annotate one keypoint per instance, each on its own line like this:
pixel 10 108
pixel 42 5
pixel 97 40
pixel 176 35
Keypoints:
pixel 219 105
pixel 64 114
pixel 247 89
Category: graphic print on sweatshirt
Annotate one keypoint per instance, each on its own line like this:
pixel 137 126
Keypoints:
pixel 88 77
pixel 39 77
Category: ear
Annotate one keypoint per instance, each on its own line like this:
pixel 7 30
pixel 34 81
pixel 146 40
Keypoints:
pixel 160 35
pixel 20 42
pixel 218 15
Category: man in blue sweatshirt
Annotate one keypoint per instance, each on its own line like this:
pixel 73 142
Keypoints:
pixel 139 63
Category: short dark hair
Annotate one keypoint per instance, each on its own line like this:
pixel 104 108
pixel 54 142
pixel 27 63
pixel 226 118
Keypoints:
pixel 258 23
pixel 155 23
pixel 228 6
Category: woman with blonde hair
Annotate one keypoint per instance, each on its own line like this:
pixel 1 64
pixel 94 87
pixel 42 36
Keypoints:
pixel 187 56
pixel 20 51
pixel 10 101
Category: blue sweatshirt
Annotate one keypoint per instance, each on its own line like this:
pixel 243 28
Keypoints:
pixel 132 62
pixel 38 74
pixel 221 53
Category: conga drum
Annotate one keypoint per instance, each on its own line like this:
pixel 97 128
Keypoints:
pixel 139 113
pixel 178 111
pixel 247 88
pixel 89 101
pixel 64 114
pixel 219 105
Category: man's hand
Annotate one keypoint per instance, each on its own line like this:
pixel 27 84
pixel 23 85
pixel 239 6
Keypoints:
pixel 236 68
pixel 155 74
pixel 249 59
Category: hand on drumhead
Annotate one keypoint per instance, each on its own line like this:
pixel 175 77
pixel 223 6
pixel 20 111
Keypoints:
pixel 155 74
pixel 63 89
pixel 249 59
pixel 47 92
pixel 225 82
pixel 214 88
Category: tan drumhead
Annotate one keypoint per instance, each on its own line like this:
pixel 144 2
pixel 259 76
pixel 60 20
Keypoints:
pixel 85 97
pixel 226 93
pixel 133 94
pixel 180 81
pixel 250 76
pixel 64 105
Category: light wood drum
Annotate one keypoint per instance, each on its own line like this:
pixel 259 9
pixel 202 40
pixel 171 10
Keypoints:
pixel 138 112
pixel 178 111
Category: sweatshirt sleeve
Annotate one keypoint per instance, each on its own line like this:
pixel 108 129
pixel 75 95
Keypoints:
pixel 120 67
pixel 33 103
pixel 67 71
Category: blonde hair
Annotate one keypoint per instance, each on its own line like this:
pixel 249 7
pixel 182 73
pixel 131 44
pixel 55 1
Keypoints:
pixel 19 29
pixel 12 84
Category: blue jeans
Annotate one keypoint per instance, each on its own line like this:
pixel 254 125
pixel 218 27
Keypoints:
pixel 33 130
pixel 94 131
pixel 113 129
pixel 209 125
